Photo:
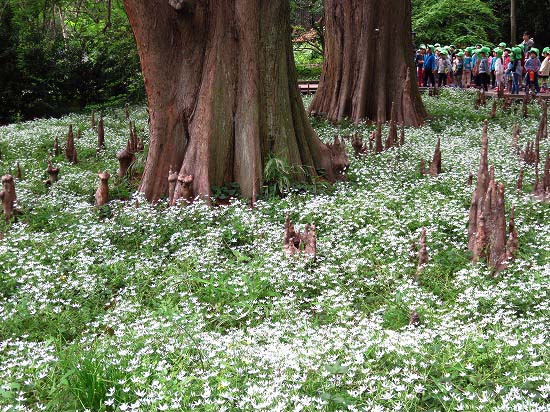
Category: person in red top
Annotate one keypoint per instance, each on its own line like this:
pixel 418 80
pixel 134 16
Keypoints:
pixel 532 67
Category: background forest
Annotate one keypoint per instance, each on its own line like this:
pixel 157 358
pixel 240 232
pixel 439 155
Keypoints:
pixel 58 56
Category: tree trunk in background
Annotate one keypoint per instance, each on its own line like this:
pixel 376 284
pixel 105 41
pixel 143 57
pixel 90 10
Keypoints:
pixel 222 93
pixel 368 52
pixel 513 24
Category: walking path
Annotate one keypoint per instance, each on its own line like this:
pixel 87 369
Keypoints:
pixel 311 86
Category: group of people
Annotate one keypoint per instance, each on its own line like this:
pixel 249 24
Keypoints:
pixel 502 68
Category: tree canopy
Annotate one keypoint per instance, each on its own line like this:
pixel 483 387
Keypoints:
pixel 463 22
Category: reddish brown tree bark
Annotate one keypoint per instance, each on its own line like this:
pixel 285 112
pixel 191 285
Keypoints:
pixel 487 222
pixel 70 148
pixel 100 133
pixel 8 196
pixel 435 165
pixel 222 93
pixel 295 242
pixel 368 63
pixel 102 192
pixel 422 254
pixel 53 173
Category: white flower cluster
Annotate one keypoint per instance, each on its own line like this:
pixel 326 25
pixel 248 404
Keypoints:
pixel 197 308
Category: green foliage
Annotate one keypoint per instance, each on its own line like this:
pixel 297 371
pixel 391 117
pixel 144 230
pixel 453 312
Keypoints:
pixel 309 72
pixel 9 76
pixel 459 22
pixel 308 7
pixel 278 177
pixel 228 191
pixel 87 380
pixel 309 63
pixel 53 65
pixel 307 17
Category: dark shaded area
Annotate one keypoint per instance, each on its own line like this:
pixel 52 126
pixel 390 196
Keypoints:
pixel 532 16
pixel 55 63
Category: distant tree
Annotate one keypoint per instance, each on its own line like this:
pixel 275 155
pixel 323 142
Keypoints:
pixel 531 15
pixel 513 21
pixel 369 51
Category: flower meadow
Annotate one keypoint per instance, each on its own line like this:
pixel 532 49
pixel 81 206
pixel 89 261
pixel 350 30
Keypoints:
pixel 140 307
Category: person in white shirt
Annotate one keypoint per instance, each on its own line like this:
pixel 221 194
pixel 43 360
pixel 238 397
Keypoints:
pixel 499 69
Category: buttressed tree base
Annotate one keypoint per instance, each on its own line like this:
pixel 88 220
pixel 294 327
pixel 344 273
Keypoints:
pixel 222 94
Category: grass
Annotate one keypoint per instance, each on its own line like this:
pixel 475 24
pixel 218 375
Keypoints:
pixel 155 308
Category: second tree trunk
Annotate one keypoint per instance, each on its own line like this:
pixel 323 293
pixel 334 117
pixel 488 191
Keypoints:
pixel 369 63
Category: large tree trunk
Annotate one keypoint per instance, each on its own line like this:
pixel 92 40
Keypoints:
pixel 368 55
pixel 222 93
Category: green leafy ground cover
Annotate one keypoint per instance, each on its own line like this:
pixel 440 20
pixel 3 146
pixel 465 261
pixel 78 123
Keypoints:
pixel 197 308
